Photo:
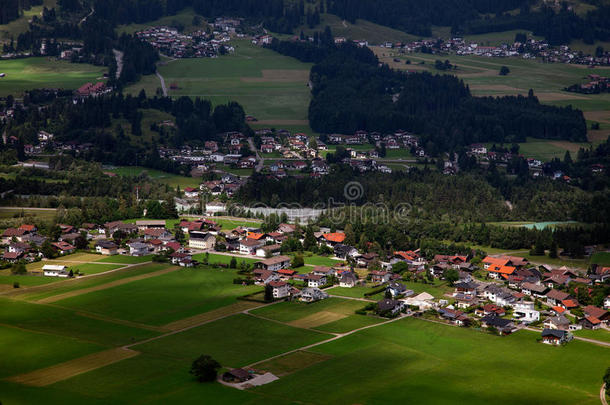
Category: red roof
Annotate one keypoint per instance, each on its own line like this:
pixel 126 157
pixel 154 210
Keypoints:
pixel 334 237
pixel 255 236
pixel 28 228
pixel 559 310
pixel 173 245
pixel 570 303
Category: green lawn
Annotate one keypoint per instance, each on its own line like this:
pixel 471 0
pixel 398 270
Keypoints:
pixel 228 224
pixel 31 73
pixel 25 351
pixel 125 259
pixel 355 292
pixel 37 293
pixel 27 213
pixel 235 341
pixel 426 363
pixel 270 86
pixel 293 311
pixel 27 281
pixel 21 24
pixel 599 334
pixel 165 298
pixel 316 260
pixel 94 268
pixel 65 322
pixel 226 259
pixel 173 180
pixel 601 258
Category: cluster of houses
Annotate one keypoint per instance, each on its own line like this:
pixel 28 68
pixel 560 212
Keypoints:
pixel 24 243
pixel 596 84
pixel 530 49
pixel 198 44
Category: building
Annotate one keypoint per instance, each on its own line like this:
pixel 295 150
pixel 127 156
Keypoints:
pixel 524 311
pixel 249 246
pixel 202 240
pixel 138 249
pixel 315 280
pixel 150 224
pixel 389 305
pixel 312 294
pixel 269 250
pixel 347 280
pixel 274 263
pixel 106 247
pixel 54 270
pixel 554 337
pixel 281 289
pixel 63 248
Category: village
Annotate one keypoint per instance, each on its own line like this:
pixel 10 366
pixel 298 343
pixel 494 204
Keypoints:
pixel 498 294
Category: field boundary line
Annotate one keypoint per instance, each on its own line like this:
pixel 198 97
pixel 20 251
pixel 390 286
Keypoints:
pixel 214 314
pixel 111 284
pixel 62 371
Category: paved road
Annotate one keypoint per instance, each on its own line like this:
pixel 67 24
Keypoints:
pixel 162 80
pixel 260 161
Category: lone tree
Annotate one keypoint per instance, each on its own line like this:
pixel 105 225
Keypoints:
pixel 205 368
pixel 504 71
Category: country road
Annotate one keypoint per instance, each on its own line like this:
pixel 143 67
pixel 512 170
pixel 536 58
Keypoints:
pixel 260 161
pixel 162 80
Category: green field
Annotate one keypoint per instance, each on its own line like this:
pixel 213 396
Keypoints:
pixel 21 24
pixel 65 322
pixel 226 259
pixel 165 298
pixel 599 334
pixel 26 213
pixel 125 259
pixel 31 73
pixel 94 268
pixel 426 363
pixel 270 86
pixel 601 258
pixel 173 180
pixel 37 350
pixel 228 224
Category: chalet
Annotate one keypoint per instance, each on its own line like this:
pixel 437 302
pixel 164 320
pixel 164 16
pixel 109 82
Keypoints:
pixel 367 258
pixel 138 249
pixel 504 326
pixel 281 289
pixel 332 239
pixel 380 277
pixel 396 289
pixel 150 224
pixel 342 251
pixel 286 274
pixel 535 290
pixel 112 227
pixel 498 295
pixel 468 288
pixel 11 234
pixel 106 247
pixel 190 192
pixel 315 280
pixel 202 240
pixel 555 297
pixel 177 257
pixel 557 280
pixel 590 322
pixel 493 310
pixel 262 276
pixel 454 316
pixel 607 302
pixel 558 322
pixel 601 314
pixel 28 228
pixel 12 257
pixel 63 248
pixel 54 270
pixel 388 305
pixel 554 337
pixel 312 295
pixel 274 263
pixel 269 250
pixel 249 246
pixel 348 280
pixel 157 233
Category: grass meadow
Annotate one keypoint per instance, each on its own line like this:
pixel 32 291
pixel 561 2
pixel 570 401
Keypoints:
pixel 30 73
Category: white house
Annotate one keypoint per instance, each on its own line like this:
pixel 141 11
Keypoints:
pixel 275 263
pixel 607 302
pixel 524 311
pixel 281 289
pixel 54 270
pixel 248 246
pixel 197 241
pixel 138 249
pixel 315 280
pixel 348 280
pixel 312 294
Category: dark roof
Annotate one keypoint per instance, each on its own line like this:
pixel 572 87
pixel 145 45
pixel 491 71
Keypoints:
pixel 387 304
pixel 554 332
pixel 496 321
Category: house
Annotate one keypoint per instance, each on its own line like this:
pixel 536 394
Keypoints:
pixel 249 246
pixel 190 192
pixel 281 289
pixel 237 375
pixel 274 263
pixel 468 288
pixel 63 248
pixel 12 257
pixel 150 224
pixel 524 311
pixel 269 250
pixel 395 289
pixel 286 228
pixel 607 302
pixel 10 233
pixel 315 280
pixel 559 322
pixel 388 305
pixel 498 295
pixel 365 259
pixel 380 277
pixel 344 251
pixel 493 310
pixel 54 270
pixel 535 290
pixel 312 294
pixel 262 276
pixel 555 297
pixel 138 249
pixel 332 239
pixel 177 257
pixel 202 240
pixel 554 337
pixel 601 314
pixel 112 227
pixel 504 326
pixel 454 316
pixel 347 280
pixel 591 322
pixel 157 233
pixel 106 247
pixel 423 301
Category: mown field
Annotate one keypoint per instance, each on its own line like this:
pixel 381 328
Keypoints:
pixel 31 73
pixel 271 87
pixel 173 180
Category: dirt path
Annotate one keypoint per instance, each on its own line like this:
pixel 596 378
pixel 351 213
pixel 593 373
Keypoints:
pixel 162 80
pixel 602 395
pixel 115 283
pixel 69 369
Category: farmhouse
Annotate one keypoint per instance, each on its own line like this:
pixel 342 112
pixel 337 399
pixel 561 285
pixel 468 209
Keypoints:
pixel 265 276
pixel 54 270
pixel 275 263
pixel 281 289
pixel 595 312
pixel 347 280
pixel 150 224
pixel 554 337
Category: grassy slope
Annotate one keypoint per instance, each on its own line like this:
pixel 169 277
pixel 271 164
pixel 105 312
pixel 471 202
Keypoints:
pixel 21 25
pixel 220 80
pixel 24 74
pixel 427 363
pixel 166 298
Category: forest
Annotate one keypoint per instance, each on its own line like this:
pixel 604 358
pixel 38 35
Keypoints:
pixel 11 9
pixel 94 121
pixel 352 92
